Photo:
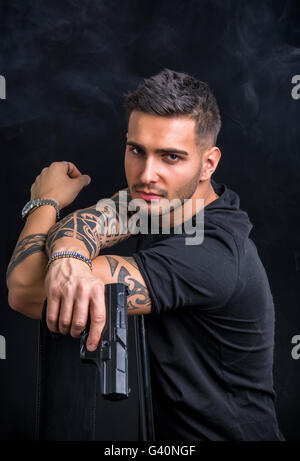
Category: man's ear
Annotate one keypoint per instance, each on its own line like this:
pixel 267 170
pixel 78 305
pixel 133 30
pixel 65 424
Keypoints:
pixel 210 160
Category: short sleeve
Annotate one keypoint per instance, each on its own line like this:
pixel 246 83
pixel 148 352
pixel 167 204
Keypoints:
pixel 200 276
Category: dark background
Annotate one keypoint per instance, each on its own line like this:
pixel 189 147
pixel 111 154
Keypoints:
pixel 67 64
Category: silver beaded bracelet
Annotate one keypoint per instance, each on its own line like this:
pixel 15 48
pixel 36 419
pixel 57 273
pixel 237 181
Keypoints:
pixel 69 254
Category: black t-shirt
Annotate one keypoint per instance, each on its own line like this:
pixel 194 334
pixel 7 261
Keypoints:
pixel 211 330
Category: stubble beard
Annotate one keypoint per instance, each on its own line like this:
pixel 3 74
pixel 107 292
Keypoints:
pixel 183 194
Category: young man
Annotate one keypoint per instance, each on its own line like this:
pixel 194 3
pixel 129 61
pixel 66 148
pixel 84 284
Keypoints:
pixel 211 322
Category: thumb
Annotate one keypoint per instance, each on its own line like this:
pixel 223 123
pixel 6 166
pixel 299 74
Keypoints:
pixel 84 180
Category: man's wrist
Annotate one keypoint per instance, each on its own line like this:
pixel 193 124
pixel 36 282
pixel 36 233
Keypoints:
pixel 67 255
pixel 37 203
pixel 40 220
pixel 46 208
pixel 68 244
pixel 48 197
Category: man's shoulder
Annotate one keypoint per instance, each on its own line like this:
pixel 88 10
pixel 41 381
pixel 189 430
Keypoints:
pixel 216 253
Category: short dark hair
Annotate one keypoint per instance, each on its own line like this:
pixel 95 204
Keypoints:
pixel 171 93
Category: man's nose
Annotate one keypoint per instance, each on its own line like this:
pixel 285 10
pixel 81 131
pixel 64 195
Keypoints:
pixel 150 171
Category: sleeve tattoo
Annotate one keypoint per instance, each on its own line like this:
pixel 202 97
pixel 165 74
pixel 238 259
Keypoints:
pixel 96 227
pixel 29 245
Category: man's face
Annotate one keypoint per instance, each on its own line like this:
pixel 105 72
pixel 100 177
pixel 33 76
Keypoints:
pixel 162 159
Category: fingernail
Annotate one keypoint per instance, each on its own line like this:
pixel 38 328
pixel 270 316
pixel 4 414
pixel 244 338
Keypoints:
pixel 92 347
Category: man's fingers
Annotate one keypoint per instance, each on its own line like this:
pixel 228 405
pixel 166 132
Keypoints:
pixel 98 319
pixel 66 309
pixel 80 315
pixel 69 304
pixel 53 307
pixel 75 173
pixel 73 170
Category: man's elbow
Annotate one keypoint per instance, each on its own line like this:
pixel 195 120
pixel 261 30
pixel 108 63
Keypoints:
pixel 15 302
pixel 16 293
pixel 12 301
pixel 20 303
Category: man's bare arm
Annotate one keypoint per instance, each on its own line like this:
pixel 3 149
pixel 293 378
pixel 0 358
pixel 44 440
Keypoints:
pixel 89 230
pixel 27 267
pixel 27 246
pixel 81 226
pixel 85 231
pixel 106 269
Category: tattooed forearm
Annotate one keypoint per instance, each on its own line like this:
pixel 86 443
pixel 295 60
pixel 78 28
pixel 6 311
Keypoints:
pixel 80 225
pixel 138 297
pixel 29 245
pixel 99 226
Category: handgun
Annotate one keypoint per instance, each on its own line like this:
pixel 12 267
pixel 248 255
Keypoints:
pixel 111 355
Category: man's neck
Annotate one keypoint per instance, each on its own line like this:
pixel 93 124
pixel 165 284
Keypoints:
pixel 205 195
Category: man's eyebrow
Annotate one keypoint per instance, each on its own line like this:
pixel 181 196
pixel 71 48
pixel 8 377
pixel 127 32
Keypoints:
pixel 168 150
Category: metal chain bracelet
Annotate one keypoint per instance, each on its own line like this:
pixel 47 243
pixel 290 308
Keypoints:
pixel 69 254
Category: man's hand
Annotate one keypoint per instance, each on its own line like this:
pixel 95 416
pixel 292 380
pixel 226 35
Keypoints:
pixel 54 182
pixel 72 293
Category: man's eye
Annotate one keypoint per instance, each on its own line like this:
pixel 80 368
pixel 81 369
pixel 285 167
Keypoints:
pixel 173 157
pixel 135 150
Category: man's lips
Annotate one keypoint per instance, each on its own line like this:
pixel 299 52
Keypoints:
pixel 148 195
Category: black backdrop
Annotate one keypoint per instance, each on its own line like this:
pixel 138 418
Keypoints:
pixel 67 64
